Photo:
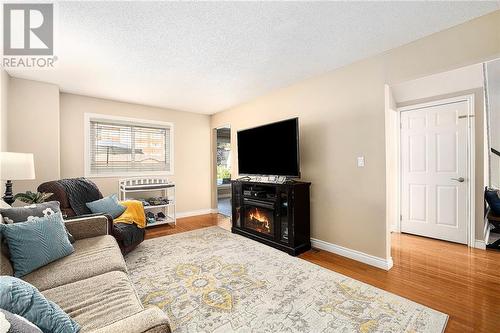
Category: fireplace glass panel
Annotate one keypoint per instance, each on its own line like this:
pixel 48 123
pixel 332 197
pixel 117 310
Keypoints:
pixel 284 218
pixel 236 199
pixel 259 219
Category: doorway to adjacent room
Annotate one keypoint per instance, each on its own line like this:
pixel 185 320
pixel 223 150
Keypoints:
pixel 223 160
pixel 436 165
pixel 436 178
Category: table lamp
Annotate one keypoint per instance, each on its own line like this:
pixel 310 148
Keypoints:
pixel 15 166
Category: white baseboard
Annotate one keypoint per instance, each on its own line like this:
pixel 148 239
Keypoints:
pixel 196 212
pixel 479 244
pixel 378 262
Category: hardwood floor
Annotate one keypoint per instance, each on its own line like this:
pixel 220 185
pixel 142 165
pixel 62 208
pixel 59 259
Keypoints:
pixel 189 223
pixel 452 278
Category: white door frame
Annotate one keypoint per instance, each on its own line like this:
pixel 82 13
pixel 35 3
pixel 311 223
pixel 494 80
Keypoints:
pixel 471 158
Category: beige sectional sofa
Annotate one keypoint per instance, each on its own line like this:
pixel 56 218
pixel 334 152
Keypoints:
pixel 92 284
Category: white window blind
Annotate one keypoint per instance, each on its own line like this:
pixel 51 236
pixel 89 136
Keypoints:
pixel 123 148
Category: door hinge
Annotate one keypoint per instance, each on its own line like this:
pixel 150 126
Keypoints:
pixel 466 116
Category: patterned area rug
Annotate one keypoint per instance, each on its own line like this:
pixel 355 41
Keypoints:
pixel 210 280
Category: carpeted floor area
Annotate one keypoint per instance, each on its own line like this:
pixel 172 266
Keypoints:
pixel 210 280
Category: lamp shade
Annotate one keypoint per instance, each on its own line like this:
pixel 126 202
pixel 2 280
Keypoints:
pixel 16 166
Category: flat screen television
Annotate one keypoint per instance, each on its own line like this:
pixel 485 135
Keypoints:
pixel 270 150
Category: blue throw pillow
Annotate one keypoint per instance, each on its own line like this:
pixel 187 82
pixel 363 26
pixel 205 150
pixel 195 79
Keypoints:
pixel 35 244
pixel 108 205
pixel 21 298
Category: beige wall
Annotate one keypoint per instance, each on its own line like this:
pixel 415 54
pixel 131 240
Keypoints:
pixel 33 127
pixel 4 96
pixel 342 116
pixel 493 76
pixel 191 150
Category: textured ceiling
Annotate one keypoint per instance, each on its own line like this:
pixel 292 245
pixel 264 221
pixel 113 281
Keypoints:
pixel 208 56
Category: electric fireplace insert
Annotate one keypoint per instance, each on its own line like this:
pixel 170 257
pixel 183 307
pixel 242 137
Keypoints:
pixel 259 217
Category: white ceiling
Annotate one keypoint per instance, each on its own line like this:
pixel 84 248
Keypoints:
pixel 208 56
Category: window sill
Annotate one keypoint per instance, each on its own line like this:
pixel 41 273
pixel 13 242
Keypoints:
pixel 128 174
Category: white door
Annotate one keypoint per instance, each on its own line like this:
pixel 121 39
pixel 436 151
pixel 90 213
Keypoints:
pixel 434 171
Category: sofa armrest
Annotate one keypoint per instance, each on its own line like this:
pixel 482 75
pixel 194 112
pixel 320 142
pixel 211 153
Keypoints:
pixel 87 227
pixel 84 216
pixel 150 320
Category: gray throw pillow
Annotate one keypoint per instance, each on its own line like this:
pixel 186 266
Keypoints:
pixel 35 244
pixel 21 298
pixel 16 323
pixel 32 213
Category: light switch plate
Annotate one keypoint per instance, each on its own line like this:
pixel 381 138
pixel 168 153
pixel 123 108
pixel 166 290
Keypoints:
pixel 361 161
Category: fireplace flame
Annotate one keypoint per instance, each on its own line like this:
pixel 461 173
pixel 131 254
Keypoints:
pixel 256 215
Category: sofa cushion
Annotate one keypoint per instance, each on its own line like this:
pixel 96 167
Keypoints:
pixel 21 298
pixel 92 256
pixel 35 244
pixel 5 264
pixel 150 320
pixel 97 301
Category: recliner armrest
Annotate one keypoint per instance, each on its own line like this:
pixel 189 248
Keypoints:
pixel 150 320
pixel 87 227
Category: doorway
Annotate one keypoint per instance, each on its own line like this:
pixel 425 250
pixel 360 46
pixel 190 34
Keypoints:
pixel 436 169
pixel 223 164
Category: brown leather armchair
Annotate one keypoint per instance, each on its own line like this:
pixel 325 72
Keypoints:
pixel 128 236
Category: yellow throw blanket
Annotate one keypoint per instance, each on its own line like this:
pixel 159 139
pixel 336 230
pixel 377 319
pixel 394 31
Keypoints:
pixel 133 214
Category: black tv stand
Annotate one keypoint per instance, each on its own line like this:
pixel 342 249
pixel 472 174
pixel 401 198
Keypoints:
pixel 276 214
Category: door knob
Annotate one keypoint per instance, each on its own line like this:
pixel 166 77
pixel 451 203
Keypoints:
pixel 460 179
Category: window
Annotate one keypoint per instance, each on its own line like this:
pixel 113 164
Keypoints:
pixel 122 146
